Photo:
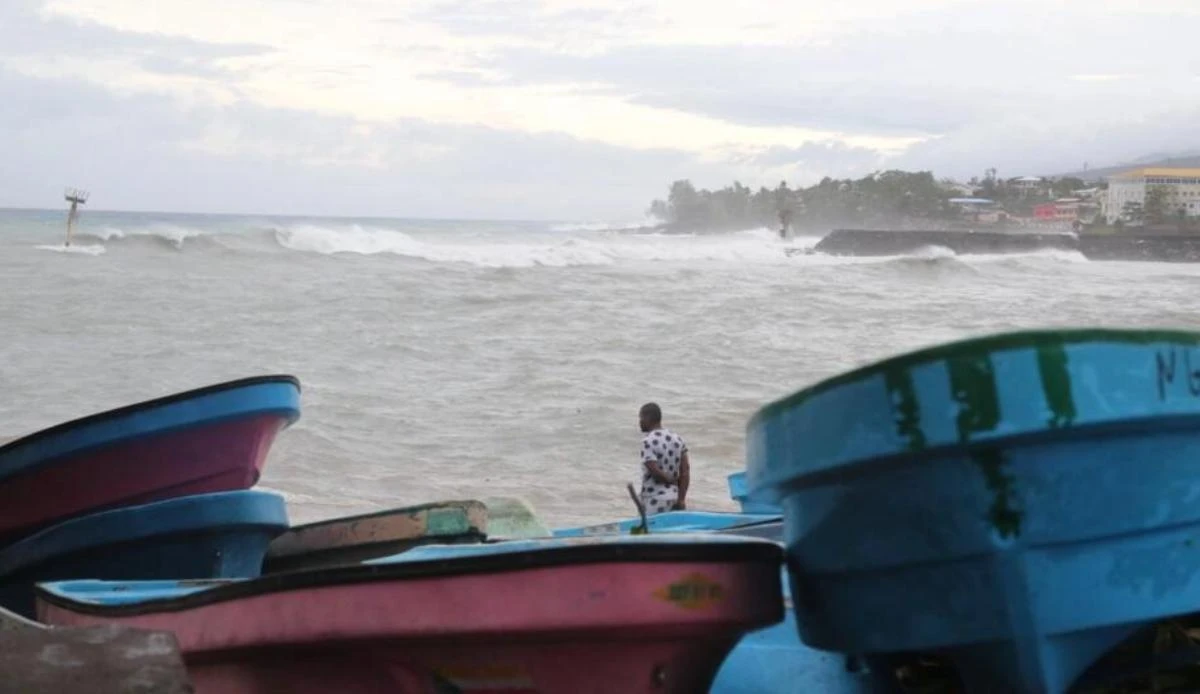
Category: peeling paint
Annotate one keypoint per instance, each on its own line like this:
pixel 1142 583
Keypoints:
pixel 906 410
pixel 973 387
pixel 155 645
pixel 59 655
pixel 1003 513
pixel 1056 385
pixel 428 521
pixel 105 658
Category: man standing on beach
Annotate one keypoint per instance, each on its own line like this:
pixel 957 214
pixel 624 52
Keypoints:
pixel 665 466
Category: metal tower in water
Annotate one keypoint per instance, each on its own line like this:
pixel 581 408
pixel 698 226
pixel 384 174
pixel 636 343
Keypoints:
pixel 76 198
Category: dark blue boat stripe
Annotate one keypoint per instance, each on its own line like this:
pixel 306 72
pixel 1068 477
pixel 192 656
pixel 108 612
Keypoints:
pixel 173 516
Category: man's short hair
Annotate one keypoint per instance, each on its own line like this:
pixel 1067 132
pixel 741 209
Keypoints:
pixel 651 412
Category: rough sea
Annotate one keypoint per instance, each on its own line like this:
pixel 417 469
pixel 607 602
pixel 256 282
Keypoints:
pixel 452 360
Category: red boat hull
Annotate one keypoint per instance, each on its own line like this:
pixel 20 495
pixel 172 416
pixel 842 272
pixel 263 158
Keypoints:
pixel 629 626
pixel 589 667
pixel 218 457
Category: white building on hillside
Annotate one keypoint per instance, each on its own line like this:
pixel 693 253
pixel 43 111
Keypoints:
pixel 1028 184
pixel 1183 187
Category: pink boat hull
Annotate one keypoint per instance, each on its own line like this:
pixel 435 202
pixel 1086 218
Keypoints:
pixel 224 456
pixel 623 626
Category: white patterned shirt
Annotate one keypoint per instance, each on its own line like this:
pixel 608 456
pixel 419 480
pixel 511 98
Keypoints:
pixel 665 448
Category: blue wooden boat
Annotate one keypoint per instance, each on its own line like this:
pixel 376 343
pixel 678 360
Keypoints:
pixel 211 439
pixel 1020 503
pixel 352 539
pixel 775 660
pixel 670 522
pixel 737 492
pixel 205 536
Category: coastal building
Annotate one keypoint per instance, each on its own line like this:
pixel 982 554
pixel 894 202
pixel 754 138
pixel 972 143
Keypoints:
pixel 1126 197
pixel 963 190
pixel 1061 210
pixel 978 209
pixel 1066 211
pixel 1028 185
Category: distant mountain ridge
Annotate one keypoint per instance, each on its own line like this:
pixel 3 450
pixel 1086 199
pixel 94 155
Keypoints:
pixel 1180 159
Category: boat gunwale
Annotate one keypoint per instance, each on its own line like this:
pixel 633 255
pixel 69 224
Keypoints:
pixel 298 541
pixel 979 345
pixel 140 407
pixel 417 508
pixel 722 551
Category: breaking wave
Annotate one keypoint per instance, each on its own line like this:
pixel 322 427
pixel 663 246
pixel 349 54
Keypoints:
pixel 933 255
pixel 550 246
pixel 166 235
pixel 634 225
pixel 532 251
pixel 77 249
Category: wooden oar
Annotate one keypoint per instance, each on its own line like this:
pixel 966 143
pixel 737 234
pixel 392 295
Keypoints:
pixel 642 529
pixel 11 621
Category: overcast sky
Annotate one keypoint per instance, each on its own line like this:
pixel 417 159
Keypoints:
pixel 568 109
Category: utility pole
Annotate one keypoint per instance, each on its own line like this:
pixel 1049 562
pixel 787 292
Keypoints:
pixel 76 198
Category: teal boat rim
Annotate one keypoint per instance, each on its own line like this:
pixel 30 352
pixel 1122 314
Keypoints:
pixel 974 346
pixel 450 505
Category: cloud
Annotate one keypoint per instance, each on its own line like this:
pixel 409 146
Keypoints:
pixel 1019 148
pixel 1101 78
pixel 29 32
pixel 806 163
pixel 461 78
pixel 564 108
pixel 821 156
pixel 145 152
pixel 926 74
pixel 381 77
pixel 754 86
pixel 525 21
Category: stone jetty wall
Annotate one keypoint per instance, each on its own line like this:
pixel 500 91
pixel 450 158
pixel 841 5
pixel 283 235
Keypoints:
pixel 1125 246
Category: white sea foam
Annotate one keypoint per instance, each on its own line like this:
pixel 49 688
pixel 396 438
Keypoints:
pixel 759 246
pixel 603 226
pixel 556 246
pixel 172 233
pixel 77 249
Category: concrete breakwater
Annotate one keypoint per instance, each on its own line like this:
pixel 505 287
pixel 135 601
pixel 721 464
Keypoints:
pixel 1182 248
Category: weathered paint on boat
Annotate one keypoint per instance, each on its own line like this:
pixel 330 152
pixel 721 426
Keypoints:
pixel 653 614
pixel 207 440
pixel 374 535
pixel 772 659
pixel 511 518
pixel 1020 503
pixel 104 659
